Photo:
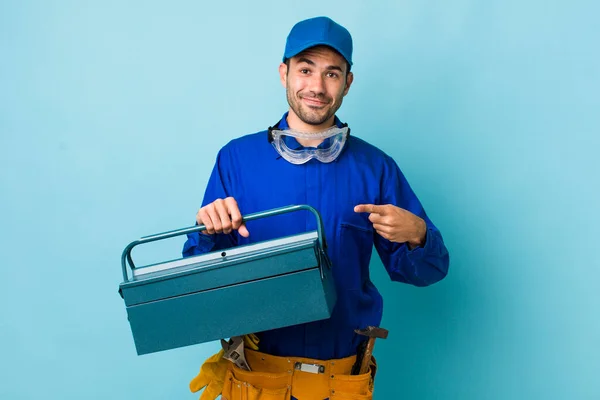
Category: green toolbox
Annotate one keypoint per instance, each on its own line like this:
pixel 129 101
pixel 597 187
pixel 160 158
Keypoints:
pixel 230 292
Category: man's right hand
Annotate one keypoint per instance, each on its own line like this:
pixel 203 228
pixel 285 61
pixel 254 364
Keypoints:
pixel 222 216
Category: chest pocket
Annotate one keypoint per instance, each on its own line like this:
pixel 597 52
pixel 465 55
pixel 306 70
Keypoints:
pixel 354 249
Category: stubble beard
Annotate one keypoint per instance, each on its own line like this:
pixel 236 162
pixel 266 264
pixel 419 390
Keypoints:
pixel 308 116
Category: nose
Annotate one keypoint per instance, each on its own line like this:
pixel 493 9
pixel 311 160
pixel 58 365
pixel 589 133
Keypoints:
pixel 317 84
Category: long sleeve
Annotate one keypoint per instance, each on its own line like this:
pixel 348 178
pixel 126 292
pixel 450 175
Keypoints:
pixel 421 266
pixel 219 187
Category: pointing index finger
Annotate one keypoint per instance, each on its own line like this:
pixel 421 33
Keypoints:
pixel 369 208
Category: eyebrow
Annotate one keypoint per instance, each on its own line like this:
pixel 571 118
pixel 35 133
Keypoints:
pixel 311 62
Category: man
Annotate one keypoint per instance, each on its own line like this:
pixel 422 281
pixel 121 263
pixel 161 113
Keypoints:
pixel 309 157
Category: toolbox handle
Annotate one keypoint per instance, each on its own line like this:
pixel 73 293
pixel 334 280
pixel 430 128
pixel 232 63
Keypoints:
pixel 199 228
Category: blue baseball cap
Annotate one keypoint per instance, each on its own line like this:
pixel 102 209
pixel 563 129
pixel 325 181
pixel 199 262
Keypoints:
pixel 318 31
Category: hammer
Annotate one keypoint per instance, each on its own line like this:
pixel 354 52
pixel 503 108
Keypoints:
pixel 372 332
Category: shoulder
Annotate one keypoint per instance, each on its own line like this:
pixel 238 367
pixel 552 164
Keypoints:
pixel 255 139
pixel 250 144
pixel 368 153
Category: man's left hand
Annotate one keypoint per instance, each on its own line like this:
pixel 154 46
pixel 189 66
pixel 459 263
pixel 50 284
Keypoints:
pixel 395 224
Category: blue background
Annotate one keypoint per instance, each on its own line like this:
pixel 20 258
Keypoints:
pixel 111 114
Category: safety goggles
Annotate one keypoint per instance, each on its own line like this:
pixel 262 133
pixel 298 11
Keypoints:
pixel 333 138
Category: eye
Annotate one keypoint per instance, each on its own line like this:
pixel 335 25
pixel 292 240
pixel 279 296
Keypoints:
pixel 332 75
pixel 304 71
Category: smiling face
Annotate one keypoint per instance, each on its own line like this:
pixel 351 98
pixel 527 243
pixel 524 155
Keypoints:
pixel 316 82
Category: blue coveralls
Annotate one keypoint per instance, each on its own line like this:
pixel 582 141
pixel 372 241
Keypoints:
pixel 250 170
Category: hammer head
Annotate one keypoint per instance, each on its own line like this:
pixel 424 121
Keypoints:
pixel 373 332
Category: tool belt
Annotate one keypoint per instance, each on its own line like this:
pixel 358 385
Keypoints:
pixel 279 378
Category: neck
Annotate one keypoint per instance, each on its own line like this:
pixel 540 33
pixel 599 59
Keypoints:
pixel 297 124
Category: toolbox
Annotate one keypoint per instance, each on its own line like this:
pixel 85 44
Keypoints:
pixel 229 292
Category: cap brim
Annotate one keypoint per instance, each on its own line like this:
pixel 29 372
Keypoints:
pixel 308 45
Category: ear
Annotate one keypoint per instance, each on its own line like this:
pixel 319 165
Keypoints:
pixel 283 68
pixel 349 80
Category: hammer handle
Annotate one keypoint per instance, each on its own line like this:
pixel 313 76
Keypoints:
pixel 366 360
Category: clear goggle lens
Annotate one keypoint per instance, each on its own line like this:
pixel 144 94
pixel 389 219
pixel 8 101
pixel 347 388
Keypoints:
pixel 333 142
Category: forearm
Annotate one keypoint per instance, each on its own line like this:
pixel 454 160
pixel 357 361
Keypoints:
pixel 421 266
pixel 198 243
